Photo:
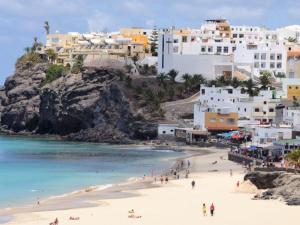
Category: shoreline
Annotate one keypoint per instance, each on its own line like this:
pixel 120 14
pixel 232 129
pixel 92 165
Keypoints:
pixel 86 197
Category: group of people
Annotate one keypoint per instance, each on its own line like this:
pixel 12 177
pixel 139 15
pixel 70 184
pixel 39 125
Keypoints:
pixel 211 209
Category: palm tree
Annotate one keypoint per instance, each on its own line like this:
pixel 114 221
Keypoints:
pixel 264 79
pixel 235 82
pixel 251 87
pixel 47 27
pixel 172 75
pixel 161 78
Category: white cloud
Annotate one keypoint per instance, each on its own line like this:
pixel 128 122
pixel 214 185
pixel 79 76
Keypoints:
pixel 100 21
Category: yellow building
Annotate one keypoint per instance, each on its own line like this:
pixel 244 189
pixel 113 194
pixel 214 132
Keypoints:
pixel 221 122
pixel 137 35
pixel 293 91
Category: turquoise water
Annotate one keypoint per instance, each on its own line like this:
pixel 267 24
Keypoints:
pixel 37 168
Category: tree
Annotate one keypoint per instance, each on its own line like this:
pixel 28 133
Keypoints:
pixel 47 27
pixel 223 81
pixel 187 78
pixel 292 40
pixel 51 54
pixel 264 79
pixel 78 64
pixel 251 87
pixel 295 102
pixel 235 82
pixel 161 78
pixel 154 42
pixel 294 156
pixel 172 75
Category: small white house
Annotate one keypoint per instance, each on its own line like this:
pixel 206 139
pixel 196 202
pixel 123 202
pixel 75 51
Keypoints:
pixel 167 129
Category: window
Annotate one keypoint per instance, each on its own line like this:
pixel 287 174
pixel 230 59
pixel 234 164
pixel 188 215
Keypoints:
pixel 272 65
pixel 263 65
pixel 265 102
pixel 225 49
pixel 263 56
pixel 238 109
pixel 241 36
pixel 210 49
pixel 219 49
pixel 290 87
pixel 203 91
pixel 212 120
pixel 256 65
pixel 184 39
pixel 279 65
pixel 230 91
pixel 164 132
pixel 272 56
pixel 256 56
pixel 234 35
pixel 211 98
pixel 230 121
pixel 279 56
pixel 233 49
pixel 265 113
pixel 296 87
pixel 245 109
pixel 256 109
pixel 175 49
pixel 175 41
pixel 271 110
pixel 203 49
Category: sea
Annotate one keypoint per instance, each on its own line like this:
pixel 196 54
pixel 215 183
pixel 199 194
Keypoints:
pixel 37 168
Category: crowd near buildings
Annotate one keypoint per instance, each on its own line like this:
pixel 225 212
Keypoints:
pixel 216 48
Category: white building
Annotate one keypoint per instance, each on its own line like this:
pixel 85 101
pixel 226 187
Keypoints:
pixel 291 116
pixel 189 54
pixel 267 135
pixel 167 129
pixel 262 57
pixel 245 34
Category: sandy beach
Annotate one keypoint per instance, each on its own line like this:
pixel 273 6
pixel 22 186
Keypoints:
pixel 177 203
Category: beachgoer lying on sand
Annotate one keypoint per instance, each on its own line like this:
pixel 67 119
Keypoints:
pixel 215 162
pixel 74 218
pixel 132 215
pixel 55 222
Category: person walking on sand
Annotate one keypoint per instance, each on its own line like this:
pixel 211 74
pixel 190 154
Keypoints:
pixel 166 180
pixel 237 183
pixel 231 172
pixel 161 180
pixel 193 184
pixel 204 209
pixel 212 209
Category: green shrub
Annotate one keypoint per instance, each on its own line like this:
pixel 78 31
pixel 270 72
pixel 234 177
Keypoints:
pixel 54 72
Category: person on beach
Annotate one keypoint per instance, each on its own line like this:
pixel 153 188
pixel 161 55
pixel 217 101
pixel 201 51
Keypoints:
pixel 212 209
pixel 204 209
pixel 161 180
pixel 193 184
pixel 231 172
pixel 237 183
pixel 189 164
pixel 166 180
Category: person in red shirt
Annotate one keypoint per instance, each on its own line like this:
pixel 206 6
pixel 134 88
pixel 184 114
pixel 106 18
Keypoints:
pixel 212 209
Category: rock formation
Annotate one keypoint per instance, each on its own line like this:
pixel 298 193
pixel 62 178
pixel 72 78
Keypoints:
pixel 89 106
pixel 279 185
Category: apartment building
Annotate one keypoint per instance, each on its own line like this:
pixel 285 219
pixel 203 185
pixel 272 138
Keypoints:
pixel 262 57
pixel 192 55
pixel 215 119
pixel 291 88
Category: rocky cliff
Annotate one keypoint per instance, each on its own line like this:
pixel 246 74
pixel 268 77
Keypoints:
pixel 89 106
pixel 279 185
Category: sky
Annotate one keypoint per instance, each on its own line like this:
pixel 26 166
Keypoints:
pixel 22 20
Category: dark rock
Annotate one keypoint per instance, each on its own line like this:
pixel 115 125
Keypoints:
pixel 90 106
pixel 279 185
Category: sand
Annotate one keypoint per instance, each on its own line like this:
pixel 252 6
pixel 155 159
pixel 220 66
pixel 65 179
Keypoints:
pixel 176 203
